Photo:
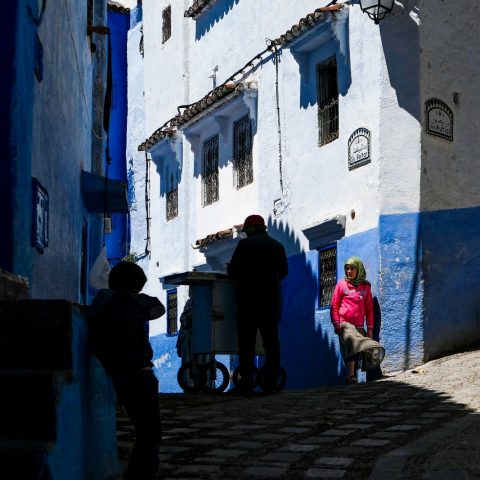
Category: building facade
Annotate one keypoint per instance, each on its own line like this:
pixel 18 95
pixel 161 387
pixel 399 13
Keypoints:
pixel 55 115
pixel 350 138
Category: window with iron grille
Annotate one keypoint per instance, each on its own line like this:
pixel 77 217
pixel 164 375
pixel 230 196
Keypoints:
pixel 327 99
pixel 210 171
pixel 242 152
pixel 166 23
pixel 172 199
pixel 172 311
pixel 328 274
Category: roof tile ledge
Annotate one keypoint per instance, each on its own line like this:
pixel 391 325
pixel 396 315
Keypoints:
pixel 198 7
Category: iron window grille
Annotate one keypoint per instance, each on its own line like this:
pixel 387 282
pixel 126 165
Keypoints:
pixel 172 328
pixel 328 274
pixel 327 99
pixel 210 171
pixel 166 23
pixel 242 152
pixel 172 199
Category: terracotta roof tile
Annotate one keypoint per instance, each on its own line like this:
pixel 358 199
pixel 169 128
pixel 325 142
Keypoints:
pixel 209 100
pixel 115 7
pixel 306 23
pixel 198 7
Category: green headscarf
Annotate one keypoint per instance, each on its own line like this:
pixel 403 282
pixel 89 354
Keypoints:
pixel 361 274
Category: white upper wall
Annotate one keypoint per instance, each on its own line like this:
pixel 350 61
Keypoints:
pixel 385 73
pixel 450 45
pixel 317 182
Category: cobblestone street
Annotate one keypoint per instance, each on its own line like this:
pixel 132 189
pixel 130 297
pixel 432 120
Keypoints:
pixel 393 428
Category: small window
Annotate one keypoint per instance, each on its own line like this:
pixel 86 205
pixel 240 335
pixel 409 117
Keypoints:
pixel 172 199
pixel 242 152
pixel 328 274
pixel 210 171
pixel 166 23
pixel 172 311
pixel 327 98
pixel 107 223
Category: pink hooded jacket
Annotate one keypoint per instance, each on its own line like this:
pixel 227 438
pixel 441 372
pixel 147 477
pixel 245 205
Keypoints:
pixel 352 304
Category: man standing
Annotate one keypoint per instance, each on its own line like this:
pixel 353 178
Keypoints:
pixel 258 265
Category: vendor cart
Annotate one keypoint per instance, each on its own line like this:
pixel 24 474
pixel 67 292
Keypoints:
pixel 213 331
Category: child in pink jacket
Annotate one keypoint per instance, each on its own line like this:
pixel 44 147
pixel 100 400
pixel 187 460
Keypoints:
pixel 352 302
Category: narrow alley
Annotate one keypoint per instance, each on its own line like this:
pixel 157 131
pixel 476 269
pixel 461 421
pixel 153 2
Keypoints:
pixel 406 426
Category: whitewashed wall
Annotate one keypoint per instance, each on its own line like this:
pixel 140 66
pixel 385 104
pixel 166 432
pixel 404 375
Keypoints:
pixel 178 72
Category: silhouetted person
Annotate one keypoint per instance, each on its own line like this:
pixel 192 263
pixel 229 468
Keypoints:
pixel 119 340
pixel 258 265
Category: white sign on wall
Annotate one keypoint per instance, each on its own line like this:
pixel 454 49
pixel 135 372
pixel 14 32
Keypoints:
pixel 359 148
pixel 439 118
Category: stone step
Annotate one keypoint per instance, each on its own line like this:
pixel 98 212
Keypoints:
pixel 36 334
pixel 24 460
pixel 28 403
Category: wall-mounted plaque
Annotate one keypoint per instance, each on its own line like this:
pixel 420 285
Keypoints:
pixel 439 119
pixel 40 216
pixel 359 148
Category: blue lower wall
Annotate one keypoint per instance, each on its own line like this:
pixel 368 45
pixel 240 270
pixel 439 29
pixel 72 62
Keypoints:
pixel 401 289
pixel 451 253
pixel 166 362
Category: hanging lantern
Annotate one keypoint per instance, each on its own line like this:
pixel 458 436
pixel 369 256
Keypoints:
pixel 376 9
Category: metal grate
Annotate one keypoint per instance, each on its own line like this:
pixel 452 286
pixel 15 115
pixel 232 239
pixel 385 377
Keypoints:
pixel 172 200
pixel 172 311
pixel 327 96
pixel 242 152
pixel 210 171
pixel 328 275
pixel 166 23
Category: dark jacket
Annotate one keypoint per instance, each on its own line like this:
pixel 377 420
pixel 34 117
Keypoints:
pixel 258 265
pixel 118 333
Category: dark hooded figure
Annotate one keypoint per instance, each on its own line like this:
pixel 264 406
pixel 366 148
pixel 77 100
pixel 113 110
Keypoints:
pixel 119 339
pixel 258 265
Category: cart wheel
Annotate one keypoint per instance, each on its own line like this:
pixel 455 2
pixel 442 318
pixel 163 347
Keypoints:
pixel 282 378
pixel 188 377
pixel 215 377
pixel 237 377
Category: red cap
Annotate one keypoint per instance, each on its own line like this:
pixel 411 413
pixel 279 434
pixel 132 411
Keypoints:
pixel 252 220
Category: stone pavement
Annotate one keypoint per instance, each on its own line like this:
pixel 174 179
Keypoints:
pixel 420 424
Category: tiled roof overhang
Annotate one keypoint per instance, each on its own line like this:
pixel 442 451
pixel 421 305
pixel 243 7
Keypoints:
pixel 215 237
pixel 306 23
pixel 114 7
pixel 303 26
pixel 225 91
pixel 198 7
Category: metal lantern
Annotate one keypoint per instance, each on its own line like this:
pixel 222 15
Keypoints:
pixel 376 9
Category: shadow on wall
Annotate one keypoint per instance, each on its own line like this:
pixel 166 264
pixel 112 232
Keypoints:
pixel 309 57
pixel 403 58
pixel 309 346
pixel 212 16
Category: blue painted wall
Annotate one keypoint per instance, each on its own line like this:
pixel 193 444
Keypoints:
pixel 17 94
pixel 451 254
pixel 8 42
pixel 401 289
pixel 119 24
pixel 85 445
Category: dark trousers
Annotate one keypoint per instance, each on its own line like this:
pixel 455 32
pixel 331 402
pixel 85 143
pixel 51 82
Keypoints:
pixel 138 393
pixel 266 321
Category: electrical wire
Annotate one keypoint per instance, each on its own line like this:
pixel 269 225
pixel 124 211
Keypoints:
pixel 147 204
pixel 276 61
pixel 99 137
